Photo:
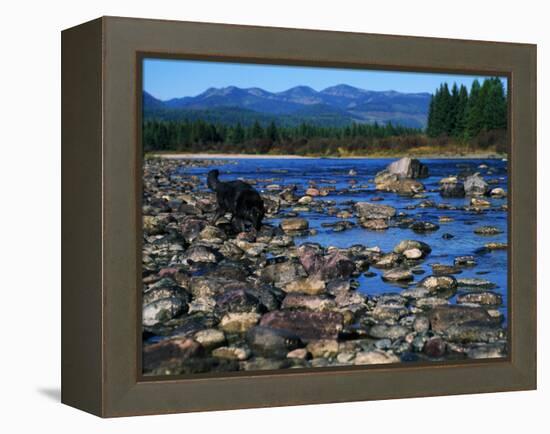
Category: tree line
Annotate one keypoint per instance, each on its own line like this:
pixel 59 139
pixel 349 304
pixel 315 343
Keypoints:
pixel 199 135
pixel 465 115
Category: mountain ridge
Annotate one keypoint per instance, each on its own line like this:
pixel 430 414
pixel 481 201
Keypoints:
pixel 344 103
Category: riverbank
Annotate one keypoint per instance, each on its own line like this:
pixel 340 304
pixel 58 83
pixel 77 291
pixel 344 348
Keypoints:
pixel 201 156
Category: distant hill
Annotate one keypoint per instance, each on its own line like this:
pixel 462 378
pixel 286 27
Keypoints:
pixel 334 106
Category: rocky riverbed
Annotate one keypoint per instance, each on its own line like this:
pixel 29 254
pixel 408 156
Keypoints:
pixel 215 300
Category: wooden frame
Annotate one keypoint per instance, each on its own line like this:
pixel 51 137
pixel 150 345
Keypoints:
pixel 101 216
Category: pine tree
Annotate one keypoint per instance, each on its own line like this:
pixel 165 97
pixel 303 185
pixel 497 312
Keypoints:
pixel 474 111
pixel 460 114
pixel 430 128
pixel 272 133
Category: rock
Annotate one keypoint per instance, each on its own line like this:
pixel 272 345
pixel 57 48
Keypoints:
pixel 367 211
pixel 310 302
pixel 443 317
pixel 413 254
pixel 388 260
pixel 200 253
pixel 164 288
pixel 310 285
pixel 305 324
pixel 263 364
pixel 485 298
pixel 435 347
pixel 238 300
pixel 408 187
pixel 313 192
pixel 479 203
pixel 473 282
pixel 421 324
pixel 445 219
pixel 465 261
pixel 465 333
pixel 498 192
pixel 408 167
pixel 292 225
pixel 169 352
pixel 333 265
pixel 232 353
pixel 397 275
pixel 430 302
pixel 453 189
pixel 163 310
pixel 421 227
pixel 209 287
pixel 382 331
pixel 405 245
pixel 270 342
pixel 298 353
pixel 374 224
pixel 444 269
pixel 212 234
pixel 327 348
pixel 210 338
pixel 305 200
pixel 486 351
pixel 439 283
pixel 239 322
pixel 475 185
pixel 154 225
pixel 283 273
pixel 376 357
pixel 496 246
pixel 191 228
pixel 389 312
pixel 415 293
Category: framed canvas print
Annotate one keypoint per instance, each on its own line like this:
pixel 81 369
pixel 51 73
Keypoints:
pixel 261 217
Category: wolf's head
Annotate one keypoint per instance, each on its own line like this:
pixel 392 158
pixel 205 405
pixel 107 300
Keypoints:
pixel 212 179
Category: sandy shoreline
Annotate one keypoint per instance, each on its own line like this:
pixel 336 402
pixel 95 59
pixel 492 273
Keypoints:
pixel 203 156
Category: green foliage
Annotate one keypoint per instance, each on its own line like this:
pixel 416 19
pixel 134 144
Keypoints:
pixel 199 136
pixel 465 116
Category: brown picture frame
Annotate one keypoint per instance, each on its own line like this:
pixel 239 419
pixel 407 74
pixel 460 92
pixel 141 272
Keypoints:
pixel 101 217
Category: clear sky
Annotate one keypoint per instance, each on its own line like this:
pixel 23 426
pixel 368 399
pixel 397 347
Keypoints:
pixel 167 78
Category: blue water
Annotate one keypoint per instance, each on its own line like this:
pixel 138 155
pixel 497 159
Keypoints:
pixel 491 266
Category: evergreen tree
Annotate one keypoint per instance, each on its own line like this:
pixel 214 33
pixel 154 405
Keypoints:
pixel 272 133
pixel 474 111
pixel 460 112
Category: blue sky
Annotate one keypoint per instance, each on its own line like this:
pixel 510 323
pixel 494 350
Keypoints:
pixel 167 78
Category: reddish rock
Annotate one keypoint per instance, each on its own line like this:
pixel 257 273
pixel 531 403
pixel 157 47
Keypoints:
pixel 305 324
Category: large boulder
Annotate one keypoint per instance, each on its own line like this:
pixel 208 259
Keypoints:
pixel 282 273
pixel 305 324
pixel 443 317
pixel 163 310
pixel 452 189
pixel 333 265
pixel 169 352
pixel 475 185
pixel 408 167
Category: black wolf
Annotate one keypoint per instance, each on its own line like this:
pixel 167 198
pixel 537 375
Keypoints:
pixel 238 198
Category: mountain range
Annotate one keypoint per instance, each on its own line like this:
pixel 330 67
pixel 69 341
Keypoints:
pixel 334 106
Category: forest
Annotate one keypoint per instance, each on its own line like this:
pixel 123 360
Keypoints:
pixel 459 120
